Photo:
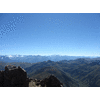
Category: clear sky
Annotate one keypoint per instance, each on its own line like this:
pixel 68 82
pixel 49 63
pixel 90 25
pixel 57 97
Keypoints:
pixel 73 34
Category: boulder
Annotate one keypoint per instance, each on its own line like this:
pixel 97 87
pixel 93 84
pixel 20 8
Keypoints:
pixel 51 81
pixel 14 77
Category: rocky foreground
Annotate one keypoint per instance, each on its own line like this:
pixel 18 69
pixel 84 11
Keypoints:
pixel 50 81
pixel 17 77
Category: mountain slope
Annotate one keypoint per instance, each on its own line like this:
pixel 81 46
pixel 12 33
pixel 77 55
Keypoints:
pixel 2 65
pixel 87 73
pixel 43 69
pixel 78 72
pixel 93 78
pixel 46 71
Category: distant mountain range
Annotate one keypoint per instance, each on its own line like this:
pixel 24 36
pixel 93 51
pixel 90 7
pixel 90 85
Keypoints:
pixel 5 59
pixel 38 58
pixel 79 72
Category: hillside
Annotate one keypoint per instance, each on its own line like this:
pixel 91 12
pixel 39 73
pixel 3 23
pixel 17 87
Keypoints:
pixel 2 65
pixel 46 71
pixel 43 69
pixel 86 72
pixel 78 72
pixel 22 64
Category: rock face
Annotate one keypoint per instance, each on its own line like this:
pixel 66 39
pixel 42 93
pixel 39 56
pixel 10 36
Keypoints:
pixel 17 77
pixel 13 77
pixel 51 81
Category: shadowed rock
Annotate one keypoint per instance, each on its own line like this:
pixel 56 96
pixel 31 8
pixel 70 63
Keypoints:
pixel 17 77
pixel 13 77
pixel 51 81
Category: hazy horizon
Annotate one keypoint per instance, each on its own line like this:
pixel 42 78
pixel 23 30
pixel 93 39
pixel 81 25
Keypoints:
pixel 72 34
pixel 49 55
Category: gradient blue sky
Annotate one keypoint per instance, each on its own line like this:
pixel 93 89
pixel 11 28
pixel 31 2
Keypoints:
pixel 73 34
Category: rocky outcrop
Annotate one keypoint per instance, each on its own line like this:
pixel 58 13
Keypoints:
pixel 51 81
pixel 14 77
pixel 17 77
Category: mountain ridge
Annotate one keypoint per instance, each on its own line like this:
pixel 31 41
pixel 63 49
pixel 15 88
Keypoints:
pixel 74 72
pixel 39 58
pixel 79 72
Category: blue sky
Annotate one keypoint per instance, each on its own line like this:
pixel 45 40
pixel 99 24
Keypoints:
pixel 73 34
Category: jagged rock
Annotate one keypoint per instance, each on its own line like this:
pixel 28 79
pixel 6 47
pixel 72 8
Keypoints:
pixel 17 77
pixel 51 81
pixel 13 77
